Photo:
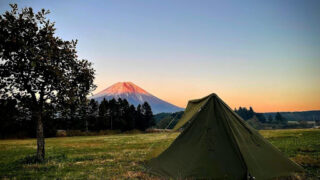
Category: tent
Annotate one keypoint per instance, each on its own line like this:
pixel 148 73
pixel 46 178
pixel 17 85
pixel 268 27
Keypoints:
pixel 216 143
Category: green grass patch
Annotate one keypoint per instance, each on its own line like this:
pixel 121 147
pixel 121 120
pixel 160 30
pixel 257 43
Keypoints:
pixel 122 156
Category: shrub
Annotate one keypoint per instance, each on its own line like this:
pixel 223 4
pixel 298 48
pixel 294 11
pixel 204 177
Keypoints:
pixel 61 133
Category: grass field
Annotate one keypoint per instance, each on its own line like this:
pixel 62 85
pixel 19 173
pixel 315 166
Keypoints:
pixel 122 156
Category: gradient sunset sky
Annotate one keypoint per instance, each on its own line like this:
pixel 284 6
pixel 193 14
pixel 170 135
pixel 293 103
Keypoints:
pixel 251 53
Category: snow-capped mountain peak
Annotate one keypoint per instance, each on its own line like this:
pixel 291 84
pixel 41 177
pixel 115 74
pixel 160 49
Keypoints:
pixel 135 95
pixel 123 88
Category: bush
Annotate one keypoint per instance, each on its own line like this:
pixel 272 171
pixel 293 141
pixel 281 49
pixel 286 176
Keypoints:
pixel 61 133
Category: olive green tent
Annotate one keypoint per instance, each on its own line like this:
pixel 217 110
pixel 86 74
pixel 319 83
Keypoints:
pixel 217 144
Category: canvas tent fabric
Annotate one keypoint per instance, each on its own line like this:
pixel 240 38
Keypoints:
pixel 218 144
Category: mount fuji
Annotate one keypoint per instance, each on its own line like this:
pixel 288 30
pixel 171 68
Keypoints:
pixel 135 95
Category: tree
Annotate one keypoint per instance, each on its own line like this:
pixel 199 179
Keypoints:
pixel 251 113
pixel 244 113
pixel 280 119
pixel 92 114
pixel 139 118
pixel 147 115
pixel 126 117
pixel 103 114
pixel 8 117
pixel 113 113
pixel 131 117
pixel 39 69
pixel 261 117
pixel 83 113
pixel 270 119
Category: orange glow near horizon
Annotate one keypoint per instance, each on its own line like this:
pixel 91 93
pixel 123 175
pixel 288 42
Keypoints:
pixel 261 99
pixel 260 103
pixel 268 85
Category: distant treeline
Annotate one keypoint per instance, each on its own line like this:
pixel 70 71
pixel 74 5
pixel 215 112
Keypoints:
pixel 276 120
pixel 91 116
pixel 163 119
pixel 259 120
pixel 298 116
pixel 247 114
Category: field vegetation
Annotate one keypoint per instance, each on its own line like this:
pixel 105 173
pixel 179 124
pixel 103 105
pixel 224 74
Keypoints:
pixel 122 156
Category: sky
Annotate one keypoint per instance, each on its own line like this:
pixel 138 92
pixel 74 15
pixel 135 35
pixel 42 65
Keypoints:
pixel 264 54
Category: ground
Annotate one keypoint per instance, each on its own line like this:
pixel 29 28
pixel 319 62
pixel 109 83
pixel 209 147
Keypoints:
pixel 122 156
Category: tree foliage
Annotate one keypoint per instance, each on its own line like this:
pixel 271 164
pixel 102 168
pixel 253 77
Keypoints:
pixel 38 69
pixel 245 113
pixel 280 119
pixel 119 114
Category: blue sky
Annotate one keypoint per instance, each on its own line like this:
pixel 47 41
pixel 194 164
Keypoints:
pixel 260 53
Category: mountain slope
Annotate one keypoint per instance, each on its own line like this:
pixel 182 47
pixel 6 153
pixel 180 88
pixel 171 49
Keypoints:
pixel 135 95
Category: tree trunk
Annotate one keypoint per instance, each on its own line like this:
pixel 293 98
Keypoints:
pixel 111 123
pixel 87 129
pixel 40 137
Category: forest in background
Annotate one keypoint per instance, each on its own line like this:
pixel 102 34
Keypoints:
pixel 117 115
pixel 120 116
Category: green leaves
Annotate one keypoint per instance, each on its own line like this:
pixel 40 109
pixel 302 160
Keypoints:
pixel 35 62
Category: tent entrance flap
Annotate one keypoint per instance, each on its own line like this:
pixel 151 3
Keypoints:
pixel 192 109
